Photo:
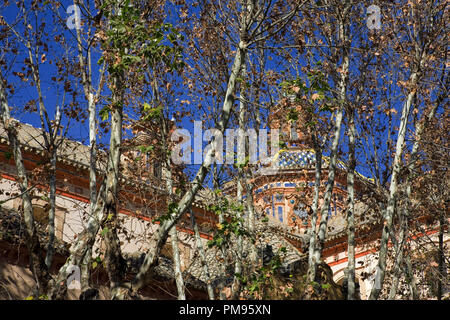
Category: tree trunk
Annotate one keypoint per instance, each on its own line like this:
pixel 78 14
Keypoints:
pixel 441 253
pixel 51 214
pixel 351 205
pixel 79 249
pixel 236 286
pixel 48 137
pixel 115 264
pixel 242 142
pixel 251 221
pixel 37 262
pixel 312 234
pixel 176 264
pixel 160 236
pixel 420 126
pixel 221 284
pixel 334 149
pixel 86 78
pixel 399 249
pixel 167 176
pixel 411 279
pixel 85 270
pixel 201 251
pixel 388 216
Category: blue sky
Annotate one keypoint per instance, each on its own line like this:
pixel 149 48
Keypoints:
pixel 53 96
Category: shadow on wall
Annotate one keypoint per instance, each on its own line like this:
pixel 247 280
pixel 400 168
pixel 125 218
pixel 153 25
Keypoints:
pixel 17 283
pixel 293 285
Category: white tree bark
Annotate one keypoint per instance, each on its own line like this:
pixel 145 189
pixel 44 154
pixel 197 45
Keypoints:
pixel 312 234
pixel 167 176
pixel 236 287
pixel 114 261
pixel 82 246
pixel 253 256
pixel 221 284
pixel 50 138
pixel 160 236
pixel 201 251
pixel 388 215
pixel 90 96
pixel 399 248
pixel 177 265
pixel 334 148
pixel 351 205
pixel 37 262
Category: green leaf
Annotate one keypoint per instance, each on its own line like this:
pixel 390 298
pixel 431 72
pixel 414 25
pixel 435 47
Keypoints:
pixel 145 149
pixel 147 107
pixel 104 113
pixel 326 286
pixel 173 206
pixel 282 145
pixel 104 231
pixel 292 115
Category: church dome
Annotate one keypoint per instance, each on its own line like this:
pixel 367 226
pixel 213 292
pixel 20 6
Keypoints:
pixel 288 158
pixel 299 159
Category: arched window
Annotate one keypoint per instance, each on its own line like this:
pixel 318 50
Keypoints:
pixel 280 213
pixel 279 198
pixel 157 170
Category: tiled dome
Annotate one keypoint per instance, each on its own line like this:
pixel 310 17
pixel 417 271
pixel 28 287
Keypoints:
pixel 295 158
pixel 291 158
